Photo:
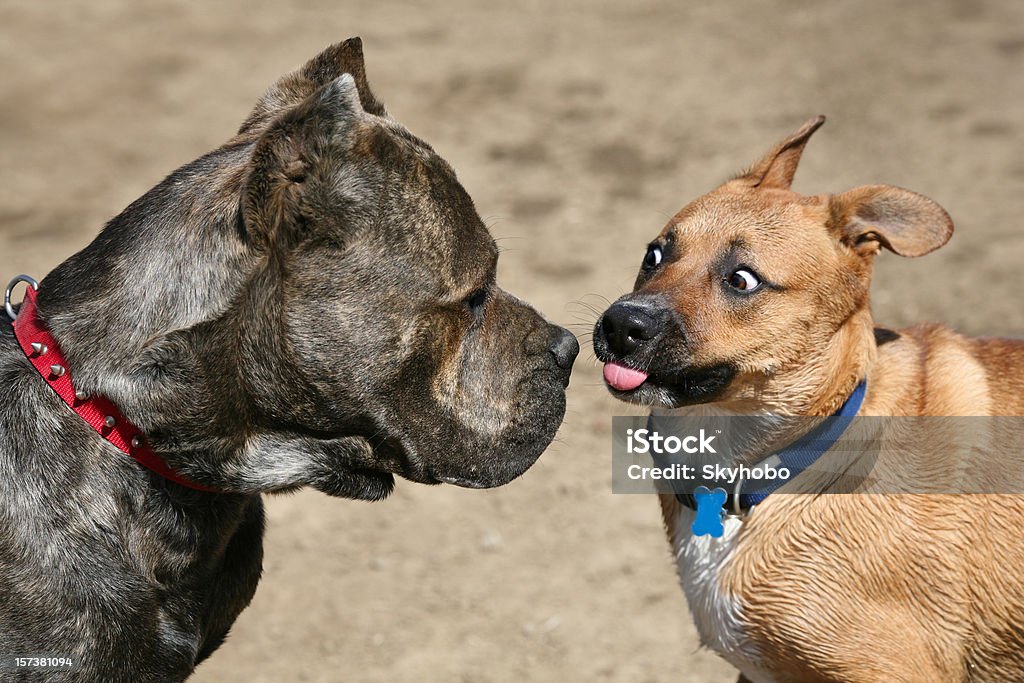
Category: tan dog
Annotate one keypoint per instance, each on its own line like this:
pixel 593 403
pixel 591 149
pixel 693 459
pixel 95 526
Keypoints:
pixel 755 299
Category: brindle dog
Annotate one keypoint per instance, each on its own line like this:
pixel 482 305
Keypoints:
pixel 312 304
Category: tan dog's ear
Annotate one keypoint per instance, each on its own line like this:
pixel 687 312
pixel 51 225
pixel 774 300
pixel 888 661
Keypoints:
pixel 294 88
pixel 904 222
pixel 777 168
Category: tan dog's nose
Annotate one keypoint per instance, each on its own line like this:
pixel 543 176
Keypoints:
pixel 626 327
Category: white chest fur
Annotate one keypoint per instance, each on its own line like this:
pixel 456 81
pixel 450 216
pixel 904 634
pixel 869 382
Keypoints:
pixel 717 613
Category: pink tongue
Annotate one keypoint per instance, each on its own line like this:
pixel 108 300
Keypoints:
pixel 623 378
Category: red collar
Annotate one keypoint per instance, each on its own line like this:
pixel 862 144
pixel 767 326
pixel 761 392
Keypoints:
pixel 100 413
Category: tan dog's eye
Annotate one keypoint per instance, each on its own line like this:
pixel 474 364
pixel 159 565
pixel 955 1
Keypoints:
pixel 653 257
pixel 744 280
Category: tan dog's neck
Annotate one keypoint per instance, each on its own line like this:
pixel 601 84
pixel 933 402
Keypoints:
pixel 818 386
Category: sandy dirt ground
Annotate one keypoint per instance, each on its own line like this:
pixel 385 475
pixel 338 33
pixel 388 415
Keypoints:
pixel 578 127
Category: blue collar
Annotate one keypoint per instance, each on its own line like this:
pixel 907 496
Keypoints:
pixel 799 455
pixel 806 450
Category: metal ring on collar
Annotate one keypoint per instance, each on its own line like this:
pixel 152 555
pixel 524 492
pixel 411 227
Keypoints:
pixel 737 509
pixel 10 288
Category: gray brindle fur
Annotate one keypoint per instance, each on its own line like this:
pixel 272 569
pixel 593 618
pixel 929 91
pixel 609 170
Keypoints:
pixel 312 304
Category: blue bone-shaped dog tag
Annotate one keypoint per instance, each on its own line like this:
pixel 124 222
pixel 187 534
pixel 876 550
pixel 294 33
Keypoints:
pixel 709 512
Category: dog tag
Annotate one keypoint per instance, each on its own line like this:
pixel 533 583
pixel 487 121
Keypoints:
pixel 708 521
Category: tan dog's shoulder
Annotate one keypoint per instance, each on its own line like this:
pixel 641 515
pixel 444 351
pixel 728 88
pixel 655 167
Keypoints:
pixel 1003 360
pixel 929 369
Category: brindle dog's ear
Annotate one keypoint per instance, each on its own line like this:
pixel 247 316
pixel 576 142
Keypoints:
pixel 288 156
pixel 344 58
pixel 777 168
pixel 904 222
pixel 290 90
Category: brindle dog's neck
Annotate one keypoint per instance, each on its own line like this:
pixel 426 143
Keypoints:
pixel 177 564
pixel 175 257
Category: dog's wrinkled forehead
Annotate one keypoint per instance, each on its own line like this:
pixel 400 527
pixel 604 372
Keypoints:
pixel 731 214
pixel 756 205
pixel 738 227
pixel 432 213
pixel 330 164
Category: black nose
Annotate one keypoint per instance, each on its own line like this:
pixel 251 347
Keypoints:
pixel 627 326
pixel 565 348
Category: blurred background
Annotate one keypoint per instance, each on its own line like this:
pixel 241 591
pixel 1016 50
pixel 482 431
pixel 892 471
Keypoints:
pixel 579 128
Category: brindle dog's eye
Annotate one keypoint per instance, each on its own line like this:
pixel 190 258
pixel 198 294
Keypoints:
pixel 477 299
pixel 744 280
pixel 653 257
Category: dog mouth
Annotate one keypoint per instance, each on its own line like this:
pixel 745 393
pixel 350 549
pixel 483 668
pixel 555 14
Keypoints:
pixel 668 389
pixel 652 367
pixel 503 469
pixel 465 483
pixel 461 453
pixel 622 377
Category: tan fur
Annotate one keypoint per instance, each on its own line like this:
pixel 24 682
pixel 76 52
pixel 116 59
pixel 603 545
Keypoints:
pixel 887 587
pixel 868 587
